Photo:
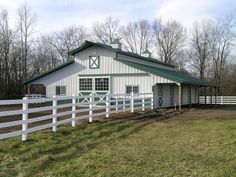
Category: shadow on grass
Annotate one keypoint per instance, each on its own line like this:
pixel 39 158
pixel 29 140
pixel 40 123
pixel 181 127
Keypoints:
pixel 45 149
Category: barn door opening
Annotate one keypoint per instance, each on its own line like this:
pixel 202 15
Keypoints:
pixel 96 86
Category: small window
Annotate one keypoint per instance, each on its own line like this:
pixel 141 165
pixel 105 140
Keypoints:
pixel 94 62
pixel 85 84
pixel 60 90
pixel 101 84
pixel 132 88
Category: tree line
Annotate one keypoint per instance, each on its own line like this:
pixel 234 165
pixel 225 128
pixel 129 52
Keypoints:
pixel 205 50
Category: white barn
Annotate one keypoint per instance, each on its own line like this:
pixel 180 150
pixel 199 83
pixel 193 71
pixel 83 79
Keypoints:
pixel 101 68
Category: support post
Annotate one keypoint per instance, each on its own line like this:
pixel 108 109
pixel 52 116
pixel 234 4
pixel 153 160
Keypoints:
pixel 211 95
pixel 205 95
pixel 25 119
pixel 190 95
pixel 54 114
pixel 180 93
pixel 117 104
pixel 91 108
pixel 108 103
pixel 73 123
pixel 215 96
pixel 132 102
pixel 198 94
pixel 143 102
pixel 28 94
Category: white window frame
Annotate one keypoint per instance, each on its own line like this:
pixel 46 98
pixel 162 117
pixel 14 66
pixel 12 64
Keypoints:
pixel 132 88
pixel 93 84
pixel 60 88
pixel 85 90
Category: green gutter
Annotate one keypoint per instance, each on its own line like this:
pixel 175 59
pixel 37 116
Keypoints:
pixel 49 71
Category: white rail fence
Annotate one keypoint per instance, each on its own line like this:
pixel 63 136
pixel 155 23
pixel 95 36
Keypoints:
pixel 21 117
pixel 222 100
pixel 34 96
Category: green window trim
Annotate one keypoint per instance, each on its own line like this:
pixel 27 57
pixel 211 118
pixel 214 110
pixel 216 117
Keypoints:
pixel 132 88
pixel 61 90
pixel 94 62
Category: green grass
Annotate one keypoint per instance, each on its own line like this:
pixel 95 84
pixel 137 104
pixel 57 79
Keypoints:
pixel 200 145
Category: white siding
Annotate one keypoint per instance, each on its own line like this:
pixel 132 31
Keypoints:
pixel 145 83
pixel 107 64
pixel 69 76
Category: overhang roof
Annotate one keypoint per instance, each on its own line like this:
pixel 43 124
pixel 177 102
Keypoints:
pixel 168 74
pixel 88 44
pixel 49 71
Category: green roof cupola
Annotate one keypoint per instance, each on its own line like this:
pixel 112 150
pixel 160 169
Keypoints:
pixel 146 53
pixel 116 44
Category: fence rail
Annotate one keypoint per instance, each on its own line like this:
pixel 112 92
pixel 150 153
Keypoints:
pixel 28 117
pixel 222 100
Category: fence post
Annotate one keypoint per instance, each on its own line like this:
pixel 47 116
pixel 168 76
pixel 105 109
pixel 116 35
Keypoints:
pixel 222 101
pixel 54 113
pixel 143 102
pixel 108 98
pixel 25 119
pixel 91 108
pixel 73 123
pixel 132 102
pixel 124 102
pixel 117 104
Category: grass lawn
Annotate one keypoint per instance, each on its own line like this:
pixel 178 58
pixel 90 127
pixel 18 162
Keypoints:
pixel 199 142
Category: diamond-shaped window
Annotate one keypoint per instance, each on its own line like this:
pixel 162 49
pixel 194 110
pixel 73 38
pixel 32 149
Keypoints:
pixel 94 62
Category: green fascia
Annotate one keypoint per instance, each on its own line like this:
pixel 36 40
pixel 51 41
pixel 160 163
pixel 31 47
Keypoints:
pixel 171 75
pixel 115 74
pixel 49 71
pixel 88 44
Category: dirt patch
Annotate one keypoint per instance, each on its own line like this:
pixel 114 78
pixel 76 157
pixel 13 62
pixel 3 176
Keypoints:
pixel 158 116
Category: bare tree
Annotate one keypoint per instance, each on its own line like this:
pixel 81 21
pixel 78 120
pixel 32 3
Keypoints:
pixel 106 31
pixel 6 37
pixel 221 47
pixel 70 38
pixel 45 56
pixel 26 22
pixel 169 38
pixel 136 36
pixel 199 47
pixel 229 81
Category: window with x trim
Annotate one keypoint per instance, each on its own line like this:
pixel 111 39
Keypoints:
pixel 94 62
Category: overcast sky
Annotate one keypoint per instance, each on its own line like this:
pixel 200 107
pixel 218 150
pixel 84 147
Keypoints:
pixel 54 15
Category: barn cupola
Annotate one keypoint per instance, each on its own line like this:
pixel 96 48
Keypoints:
pixel 116 44
pixel 146 53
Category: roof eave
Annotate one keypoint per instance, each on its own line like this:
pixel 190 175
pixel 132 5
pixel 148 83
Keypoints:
pixel 49 72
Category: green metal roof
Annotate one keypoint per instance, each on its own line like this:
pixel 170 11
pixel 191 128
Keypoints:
pixel 168 74
pixel 49 71
pixel 88 44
